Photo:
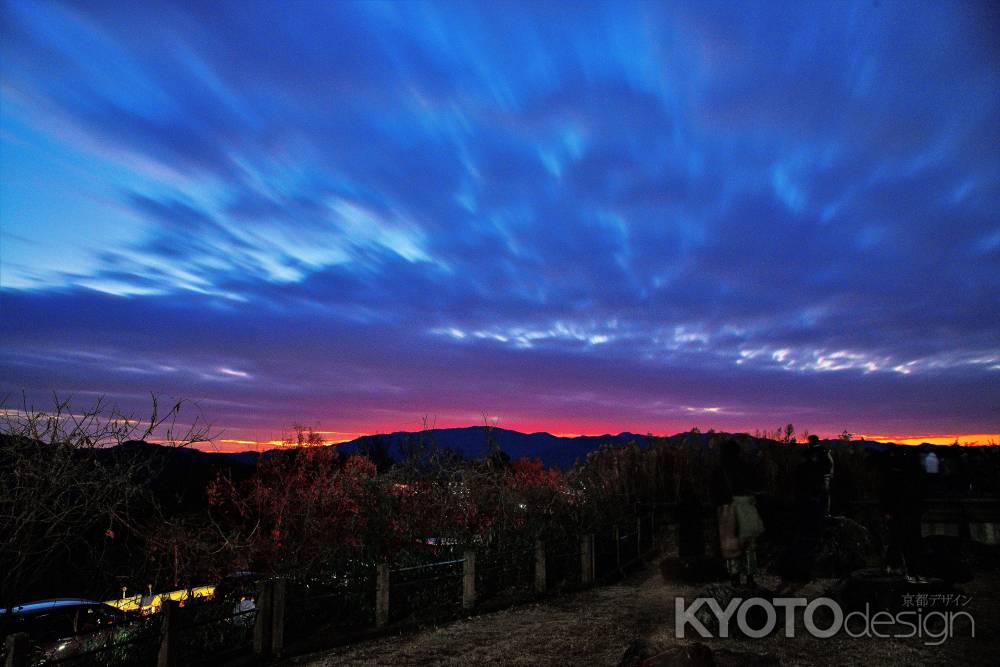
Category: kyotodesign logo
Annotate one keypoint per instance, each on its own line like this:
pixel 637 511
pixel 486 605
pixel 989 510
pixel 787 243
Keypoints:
pixel 821 618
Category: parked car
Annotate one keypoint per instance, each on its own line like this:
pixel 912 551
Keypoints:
pixel 68 626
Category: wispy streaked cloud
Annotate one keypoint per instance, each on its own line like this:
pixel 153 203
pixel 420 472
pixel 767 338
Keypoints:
pixel 587 218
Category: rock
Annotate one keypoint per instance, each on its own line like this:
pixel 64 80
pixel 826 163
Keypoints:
pixel 724 594
pixel 882 591
pixel 845 546
pixel 841 547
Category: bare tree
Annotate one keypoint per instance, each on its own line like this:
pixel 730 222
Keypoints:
pixel 68 487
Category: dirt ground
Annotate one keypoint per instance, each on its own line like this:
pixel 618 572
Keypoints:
pixel 594 627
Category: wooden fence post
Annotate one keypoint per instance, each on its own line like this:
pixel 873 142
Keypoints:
pixel 168 635
pixel 618 548
pixel 469 579
pixel 638 537
pixel 382 595
pixel 587 559
pixel 540 583
pixel 17 650
pixel 278 589
pixel 262 637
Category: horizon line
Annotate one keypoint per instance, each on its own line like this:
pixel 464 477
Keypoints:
pixel 963 439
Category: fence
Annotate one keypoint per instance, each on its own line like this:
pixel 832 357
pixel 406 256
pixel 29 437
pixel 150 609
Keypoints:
pixel 288 617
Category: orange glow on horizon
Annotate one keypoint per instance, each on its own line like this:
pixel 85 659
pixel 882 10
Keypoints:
pixel 231 445
pixel 968 439
pixel 284 443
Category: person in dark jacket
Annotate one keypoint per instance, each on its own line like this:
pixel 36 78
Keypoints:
pixel 690 526
pixel 730 478
pixel 823 462
pixel 808 482
pixel 901 500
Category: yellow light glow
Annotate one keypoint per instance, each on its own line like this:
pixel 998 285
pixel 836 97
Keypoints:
pixel 151 604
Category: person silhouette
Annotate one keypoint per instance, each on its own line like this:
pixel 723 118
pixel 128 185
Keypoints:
pixel 823 461
pixel 739 521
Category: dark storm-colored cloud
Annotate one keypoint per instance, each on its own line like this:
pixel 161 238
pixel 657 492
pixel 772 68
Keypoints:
pixel 784 205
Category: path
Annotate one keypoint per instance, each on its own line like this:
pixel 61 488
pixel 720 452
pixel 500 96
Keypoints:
pixel 594 627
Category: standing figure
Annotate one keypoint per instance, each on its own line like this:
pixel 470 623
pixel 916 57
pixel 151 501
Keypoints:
pixel 901 499
pixel 810 512
pixel 690 527
pixel 739 522
pixel 823 460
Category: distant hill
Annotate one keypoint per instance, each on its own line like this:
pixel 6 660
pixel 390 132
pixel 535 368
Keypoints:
pixel 181 474
pixel 470 443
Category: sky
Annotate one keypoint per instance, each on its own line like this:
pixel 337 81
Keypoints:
pixel 578 218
